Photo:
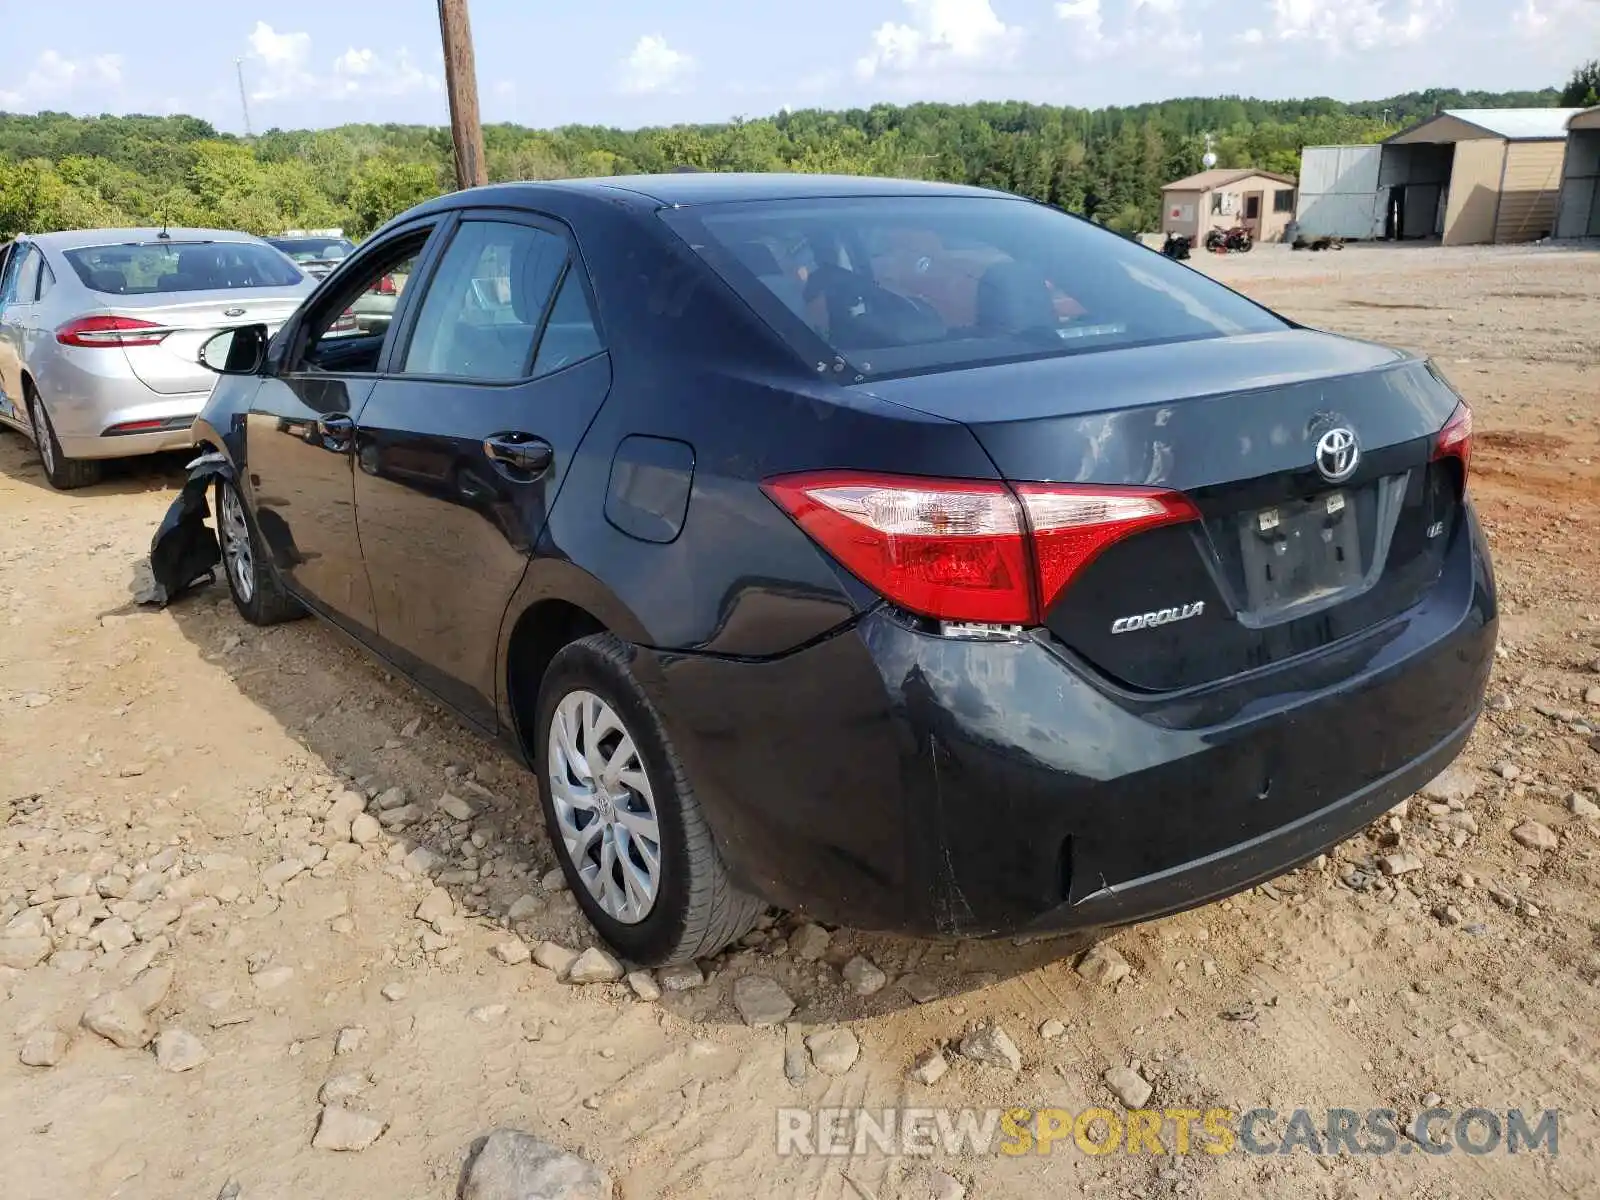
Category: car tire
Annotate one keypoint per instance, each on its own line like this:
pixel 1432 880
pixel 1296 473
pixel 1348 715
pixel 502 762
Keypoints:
pixel 258 593
pixel 694 909
pixel 64 473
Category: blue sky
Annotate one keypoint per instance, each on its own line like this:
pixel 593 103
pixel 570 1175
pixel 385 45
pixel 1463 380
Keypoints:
pixel 630 63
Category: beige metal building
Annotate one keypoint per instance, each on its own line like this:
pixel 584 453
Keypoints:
pixel 1224 197
pixel 1579 215
pixel 1470 176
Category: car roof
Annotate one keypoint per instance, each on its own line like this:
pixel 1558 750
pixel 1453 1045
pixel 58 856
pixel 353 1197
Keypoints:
pixel 715 187
pixel 77 239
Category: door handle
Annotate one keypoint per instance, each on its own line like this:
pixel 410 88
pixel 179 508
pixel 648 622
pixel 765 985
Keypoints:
pixel 520 450
pixel 336 430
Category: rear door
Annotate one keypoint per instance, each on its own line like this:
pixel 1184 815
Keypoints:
pixel 301 438
pixel 466 440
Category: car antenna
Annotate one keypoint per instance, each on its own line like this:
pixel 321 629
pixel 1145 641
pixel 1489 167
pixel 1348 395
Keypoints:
pixel 164 235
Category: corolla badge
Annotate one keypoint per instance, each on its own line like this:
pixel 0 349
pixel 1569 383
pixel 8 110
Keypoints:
pixel 1162 616
pixel 1338 454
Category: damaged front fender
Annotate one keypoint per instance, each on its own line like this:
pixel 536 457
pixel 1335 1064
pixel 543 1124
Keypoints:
pixel 185 551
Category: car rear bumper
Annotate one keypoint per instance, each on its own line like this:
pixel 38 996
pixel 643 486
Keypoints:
pixel 118 430
pixel 889 778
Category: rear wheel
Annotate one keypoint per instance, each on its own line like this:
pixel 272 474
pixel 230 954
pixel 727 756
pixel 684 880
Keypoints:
pixel 63 473
pixel 626 826
pixel 257 592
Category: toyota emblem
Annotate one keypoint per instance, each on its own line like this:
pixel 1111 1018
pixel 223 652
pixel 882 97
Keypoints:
pixel 233 312
pixel 1338 454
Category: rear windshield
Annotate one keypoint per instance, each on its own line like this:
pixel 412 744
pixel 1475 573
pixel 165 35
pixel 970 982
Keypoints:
pixel 313 249
pixel 897 285
pixel 154 267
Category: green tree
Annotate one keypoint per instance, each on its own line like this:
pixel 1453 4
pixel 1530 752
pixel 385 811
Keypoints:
pixel 1583 89
pixel 384 188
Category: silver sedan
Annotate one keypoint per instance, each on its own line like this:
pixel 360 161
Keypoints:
pixel 100 332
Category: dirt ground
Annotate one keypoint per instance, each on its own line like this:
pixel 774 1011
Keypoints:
pixel 165 773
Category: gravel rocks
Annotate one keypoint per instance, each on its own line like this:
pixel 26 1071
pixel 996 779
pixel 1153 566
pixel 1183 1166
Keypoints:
pixel 1454 783
pixel 760 1001
pixel 1051 1029
pixel 1400 863
pixel 929 1068
pixel 340 1128
pixel 555 957
pixel 513 952
pixel 20 953
pixel 350 1039
pixel 993 1047
pixel 644 985
pixel 511 1165
pixel 281 873
pixel 524 907
pixel 44 1047
pixel 435 904
pixel 920 988
pixel 454 807
pixel 1128 1086
pixel 681 977
pixel 1580 805
pixel 810 942
pixel 118 1018
pixel 178 1050
pixel 1104 965
pixel 1536 836
pixel 271 978
pixel 863 977
pixel 365 830
pixel 399 818
pixel 833 1051
pixel 594 965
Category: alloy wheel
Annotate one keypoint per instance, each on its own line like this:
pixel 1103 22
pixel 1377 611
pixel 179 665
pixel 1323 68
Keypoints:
pixel 604 806
pixel 236 545
pixel 43 438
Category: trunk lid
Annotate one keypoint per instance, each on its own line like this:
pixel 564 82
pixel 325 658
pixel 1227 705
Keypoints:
pixel 172 365
pixel 1283 560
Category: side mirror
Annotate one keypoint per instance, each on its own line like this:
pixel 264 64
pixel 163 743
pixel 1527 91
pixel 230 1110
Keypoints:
pixel 239 351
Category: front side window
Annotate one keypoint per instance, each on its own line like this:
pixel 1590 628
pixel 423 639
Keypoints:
pixel 482 313
pixel 16 253
pixel 142 268
pixel 346 332
pixel 900 285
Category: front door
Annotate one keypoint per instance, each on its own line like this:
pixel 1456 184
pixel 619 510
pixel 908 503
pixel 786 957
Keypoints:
pixel 302 433
pixel 466 440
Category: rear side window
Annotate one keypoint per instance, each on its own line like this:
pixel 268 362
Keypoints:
pixel 483 309
pixel 898 285
pixel 570 334
pixel 158 267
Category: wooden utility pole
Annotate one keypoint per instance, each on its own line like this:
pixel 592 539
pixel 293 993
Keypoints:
pixel 461 80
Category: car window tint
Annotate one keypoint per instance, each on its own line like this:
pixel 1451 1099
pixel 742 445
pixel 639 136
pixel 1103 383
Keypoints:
pixel 482 310
pixel 165 266
pixel 8 280
pixel 47 278
pixel 570 334
pixel 897 285
pixel 26 288
pixel 346 332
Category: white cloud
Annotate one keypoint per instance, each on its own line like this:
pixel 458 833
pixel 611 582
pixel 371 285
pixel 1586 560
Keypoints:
pixel 1557 19
pixel 1252 37
pixel 654 66
pixel 283 63
pixel 53 77
pixel 369 73
pixel 1085 15
pixel 1362 24
pixel 941 33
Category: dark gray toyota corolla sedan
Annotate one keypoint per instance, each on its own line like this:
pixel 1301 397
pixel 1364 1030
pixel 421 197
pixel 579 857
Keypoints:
pixel 916 555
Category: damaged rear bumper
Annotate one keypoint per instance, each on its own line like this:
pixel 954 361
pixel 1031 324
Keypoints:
pixel 888 778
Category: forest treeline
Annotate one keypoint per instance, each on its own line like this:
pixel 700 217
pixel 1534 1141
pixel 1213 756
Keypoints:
pixel 60 171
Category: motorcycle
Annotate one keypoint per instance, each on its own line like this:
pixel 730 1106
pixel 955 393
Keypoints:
pixel 1176 246
pixel 1226 241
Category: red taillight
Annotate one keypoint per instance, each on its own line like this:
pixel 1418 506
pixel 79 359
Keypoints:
pixel 963 550
pixel 1072 525
pixel 386 286
pixel 1455 439
pixel 91 332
